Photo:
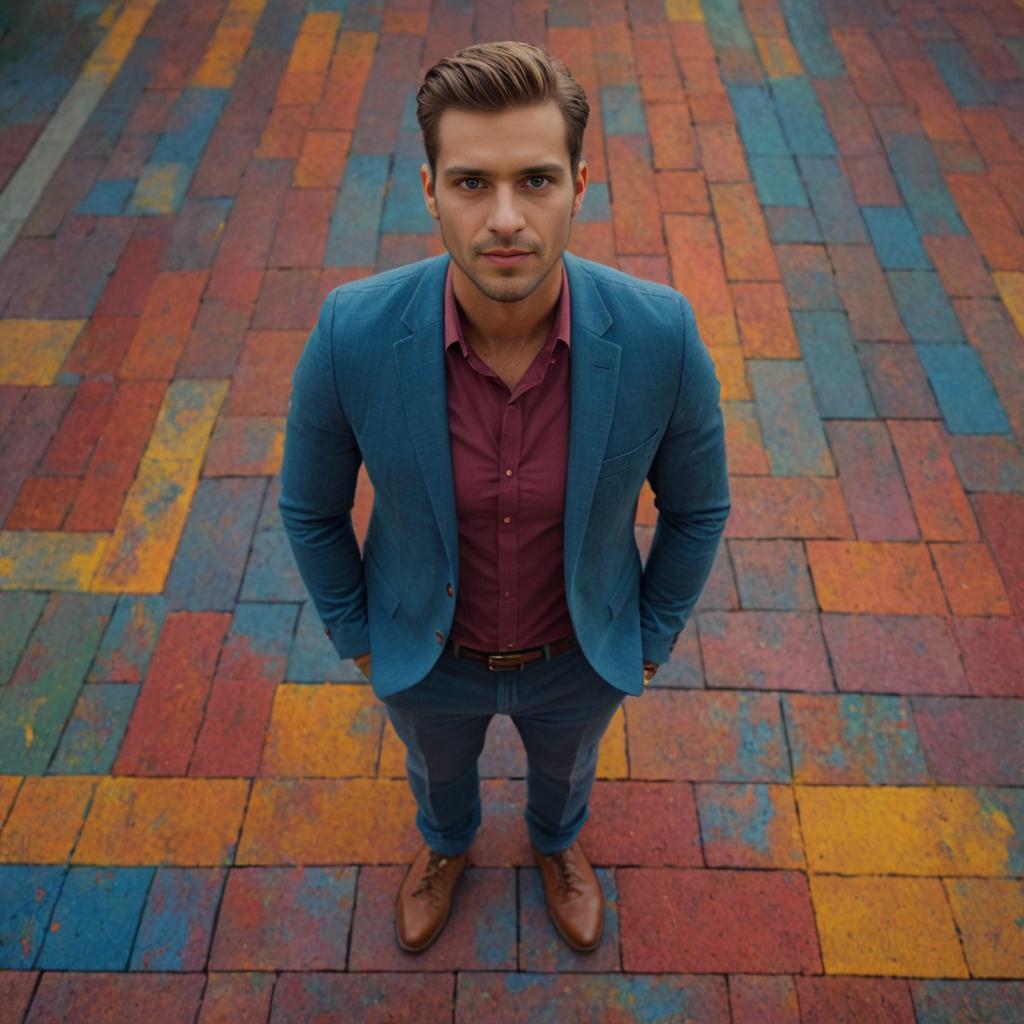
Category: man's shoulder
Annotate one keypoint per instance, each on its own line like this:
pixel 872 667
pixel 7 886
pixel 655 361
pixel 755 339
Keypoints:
pixel 387 286
pixel 636 296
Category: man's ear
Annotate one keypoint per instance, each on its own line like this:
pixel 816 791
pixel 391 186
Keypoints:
pixel 579 187
pixel 427 181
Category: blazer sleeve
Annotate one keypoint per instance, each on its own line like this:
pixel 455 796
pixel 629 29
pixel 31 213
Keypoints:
pixel 318 483
pixel 690 482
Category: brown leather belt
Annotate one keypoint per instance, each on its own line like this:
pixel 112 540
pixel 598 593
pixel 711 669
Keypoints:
pixel 513 659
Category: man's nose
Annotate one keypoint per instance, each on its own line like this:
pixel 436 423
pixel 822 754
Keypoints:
pixel 505 216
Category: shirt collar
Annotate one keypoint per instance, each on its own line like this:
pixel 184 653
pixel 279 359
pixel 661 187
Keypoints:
pixel 453 320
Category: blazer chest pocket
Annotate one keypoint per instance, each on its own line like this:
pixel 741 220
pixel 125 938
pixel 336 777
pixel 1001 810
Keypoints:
pixel 626 460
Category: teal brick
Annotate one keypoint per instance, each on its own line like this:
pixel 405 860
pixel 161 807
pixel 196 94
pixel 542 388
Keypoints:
pixel 803 120
pixel 923 306
pixel 19 612
pixel 107 198
pixel 895 238
pixel 355 224
pixel 777 181
pixel 840 390
pixel 833 201
pixel 759 127
pixel 812 38
pixel 404 209
pixel 129 640
pixel 313 658
pixel 793 224
pixel 964 79
pixel 923 186
pixel 28 894
pixel 597 203
pixel 622 111
pixel 189 126
pixel 962 387
pixel 94 732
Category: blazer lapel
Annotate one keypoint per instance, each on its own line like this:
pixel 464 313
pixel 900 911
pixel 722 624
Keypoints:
pixel 594 374
pixel 419 358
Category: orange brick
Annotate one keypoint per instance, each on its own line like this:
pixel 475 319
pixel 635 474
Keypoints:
pixel 43 503
pixel 698 272
pixel 683 192
pixel 650 268
pixel 46 819
pixel 691 39
pixel 654 55
pixel 164 326
pixel 721 153
pixel 659 89
pixel 732 372
pixel 748 253
pixel 412 22
pixel 709 102
pixel 765 325
pixel 875 578
pixel 282 137
pixel 346 81
pixel 635 212
pixel 940 505
pixel 960 266
pixel 672 137
pixel 593 240
pixel 971 580
pixel 989 221
pixel 787 506
pixel 299 88
pixel 322 160
pixel 865 293
pixel 866 67
pixel 743 443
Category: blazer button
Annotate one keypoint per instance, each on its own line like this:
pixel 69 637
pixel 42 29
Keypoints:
pixel 439 636
pixel 327 630
pixel 449 589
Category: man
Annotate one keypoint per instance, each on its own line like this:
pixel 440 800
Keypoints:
pixel 509 400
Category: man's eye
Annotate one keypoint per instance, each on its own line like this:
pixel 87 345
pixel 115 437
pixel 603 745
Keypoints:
pixel 470 184
pixel 538 180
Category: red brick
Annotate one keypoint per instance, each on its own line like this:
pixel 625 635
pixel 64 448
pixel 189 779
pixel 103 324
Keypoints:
pixel 238 998
pixel 16 988
pixel 374 998
pixel 283 134
pixel 705 93
pixel 346 81
pixel 993 653
pixel 73 444
pixel 960 266
pixel 876 578
pixel 302 231
pixel 672 139
pixel 795 507
pixel 872 181
pixel 866 67
pixel 649 268
pixel 43 503
pixel 748 253
pixel 988 130
pixel 719 593
pixel 896 380
pixel 893 654
pixel 322 161
pixel 765 325
pixel 764 650
pixel 216 339
pixel 635 212
pixel 763 999
pixel 698 272
pixel 870 478
pixel 717 921
pixel 593 240
pixel 940 504
pixel 649 823
pixel 926 94
pixel 865 293
pixel 234 726
pixel 970 579
pixel 848 120
pixel 661 89
pixel 254 215
pixel 1006 178
pixel 287 300
pixel 261 385
pixel 137 269
pixel 222 167
pixel 166 718
pixel 113 464
pixel 721 153
pixel 683 192
pixel 988 220
pixel 749 825
pixel 808 276
pixel 690 39
pixel 830 1000
pixel 77 995
pixel 1002 524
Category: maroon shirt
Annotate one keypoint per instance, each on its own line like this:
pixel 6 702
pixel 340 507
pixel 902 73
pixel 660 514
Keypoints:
pixel 509 456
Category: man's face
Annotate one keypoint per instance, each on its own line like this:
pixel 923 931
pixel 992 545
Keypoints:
pixel 504 196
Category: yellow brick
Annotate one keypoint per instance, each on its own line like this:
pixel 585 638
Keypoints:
pixel 41 560
pixel 778 56
pixel 148 529
pixel 329 821
pixel 324 731
pixel 356 44
pixel 156 188
pixel 184 822
pixel 1010 284
pixel 106 60
pixel 46 819
pixel 990 915
pixel 8 789
pixel 902 830
pixel 732 372
pixel 683 10
pixel 33 351
pixel 896 927
pixel 314 43
pixel 185 421
pixel 611 755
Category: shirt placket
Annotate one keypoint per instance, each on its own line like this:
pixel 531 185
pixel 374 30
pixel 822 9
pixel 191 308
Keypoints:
pixel 510 449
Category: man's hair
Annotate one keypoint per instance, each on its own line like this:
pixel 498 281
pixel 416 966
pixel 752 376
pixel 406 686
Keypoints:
pixel 496 76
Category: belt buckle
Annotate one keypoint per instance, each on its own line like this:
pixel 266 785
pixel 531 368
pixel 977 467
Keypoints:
pixel 499 658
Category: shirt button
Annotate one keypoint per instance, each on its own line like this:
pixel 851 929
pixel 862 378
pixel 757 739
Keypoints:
pixel 508 593
pixel 508 472
pixel 508 519
pixel 439 636
pixel 449 589
pixel 327 630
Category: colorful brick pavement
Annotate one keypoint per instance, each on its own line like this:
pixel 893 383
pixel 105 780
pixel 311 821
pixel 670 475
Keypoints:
pixel 815 814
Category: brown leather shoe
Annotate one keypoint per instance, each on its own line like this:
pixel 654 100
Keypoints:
pixel 574 897
pixel 425 898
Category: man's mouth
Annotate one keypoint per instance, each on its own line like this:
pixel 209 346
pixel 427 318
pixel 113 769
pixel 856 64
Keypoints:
pixel 506 257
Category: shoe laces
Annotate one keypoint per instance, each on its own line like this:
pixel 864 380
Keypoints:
pixel 569 875
pixel 431 878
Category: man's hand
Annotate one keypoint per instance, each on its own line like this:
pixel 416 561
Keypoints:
pixel 363 663
pixel 650 668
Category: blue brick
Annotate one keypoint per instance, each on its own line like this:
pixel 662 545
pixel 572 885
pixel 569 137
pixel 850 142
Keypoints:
pixel 952 1001
pixel 270 514
pixel 833 201
pixel 792 224
pixel 352 239
pixel 568 13
pixel 792 430
pixel 28 895
pixel 803 120
pixel 19 612
pixel 93 734
pixel 262 631
pixel 759 128
pixel 726 26
pixel 963 389
pixel 777 181
pixel 211 556
pixel 95 919
pixel 895 238
pixel 129 640
pixel 271 574
pixel 404 209
pixel 923 305
pixel 189 125
pixel 962 76
pixel 313 657
pixel 812 38
pixel 622 111
pixel 107 198
pixel 920 179
pixel 831 360
pixel 177 923
pixel 597 204
pixel 278 28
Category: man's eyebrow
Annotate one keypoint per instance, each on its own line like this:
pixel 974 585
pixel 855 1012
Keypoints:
pixel 476 172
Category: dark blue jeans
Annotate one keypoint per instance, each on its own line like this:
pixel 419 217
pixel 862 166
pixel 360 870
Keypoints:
pixel 561 709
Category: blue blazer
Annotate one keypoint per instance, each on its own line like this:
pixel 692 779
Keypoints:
pixel 370 386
